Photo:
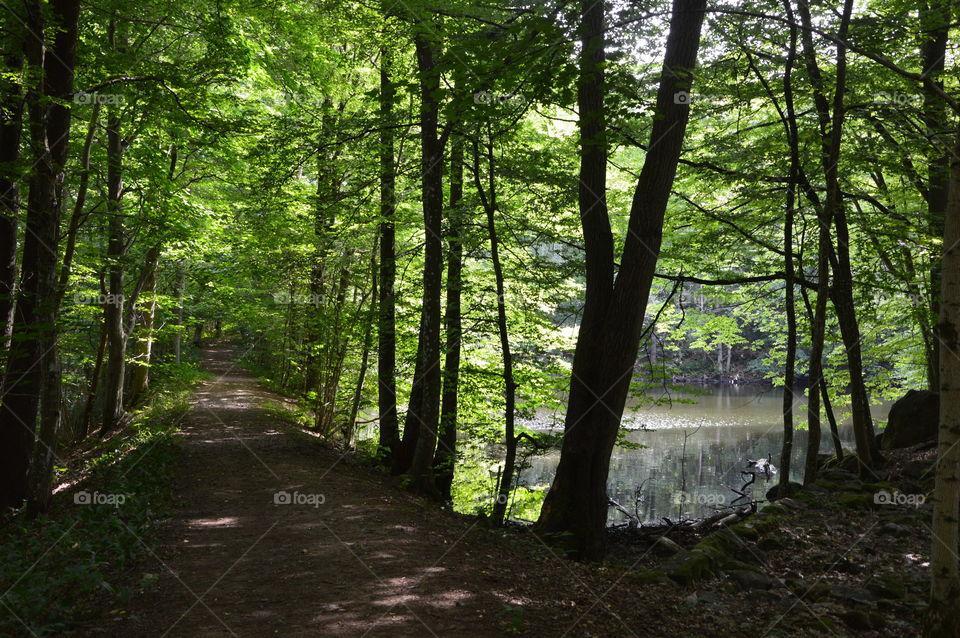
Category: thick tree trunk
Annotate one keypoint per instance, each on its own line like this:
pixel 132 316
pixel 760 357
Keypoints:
pixel 426 414
pixel 575 509
pixel 31 380
pixel 386 309
pixel 943 619
pixel 444 462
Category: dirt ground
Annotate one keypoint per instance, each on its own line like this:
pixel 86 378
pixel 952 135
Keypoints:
pixel 351 554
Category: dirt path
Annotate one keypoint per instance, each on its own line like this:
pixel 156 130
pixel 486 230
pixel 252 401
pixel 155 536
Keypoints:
pixel 352 558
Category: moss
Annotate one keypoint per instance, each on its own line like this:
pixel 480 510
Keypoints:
pixel 695 566
pixel 855 499
pixel 745 530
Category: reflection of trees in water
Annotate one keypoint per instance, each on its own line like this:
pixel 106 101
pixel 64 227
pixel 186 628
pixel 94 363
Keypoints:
pixel 715 457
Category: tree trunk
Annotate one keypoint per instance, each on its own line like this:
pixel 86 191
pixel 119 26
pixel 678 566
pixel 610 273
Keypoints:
pixel 10 132
pixel 367 344
pixel 386 309
pixel 789 371
pixel 943 618
pixel 444 462
pixel 575 509
pixel 178 288
pixel 31 378
pixel 141 370
pixel 489 201
pixel 935 20
pixel 113 305
pixel 426 415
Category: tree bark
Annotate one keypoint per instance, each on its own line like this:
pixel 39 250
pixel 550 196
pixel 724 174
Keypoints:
pixel 444 462
pixel 943 616
pixel 113 304
pixel 31 380
pixel 489 201
pixel 789 371
pixel 425 415
pixel 575 509
pixel 935 24
pixel 11 101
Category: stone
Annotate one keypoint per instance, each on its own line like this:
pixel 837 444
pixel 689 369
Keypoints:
pixel 913 419
pixel 771 543
pixel 894 529
pixel 773 493
pixel 751 579
pixel 852 595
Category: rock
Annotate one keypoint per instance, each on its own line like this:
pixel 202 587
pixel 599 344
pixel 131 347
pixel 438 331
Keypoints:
pixel 918 470
pixel 773 493
pixel 859 620
pixel 852 595
pixel 790 503
pixel 771 543
pixel 888 587
pixel 807 591
pixel 894 529
pixel 750 579
pixel 668 545
pixel 839 474
pixel 913 419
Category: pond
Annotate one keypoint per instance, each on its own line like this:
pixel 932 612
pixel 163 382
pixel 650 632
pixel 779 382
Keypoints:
pixel 694 448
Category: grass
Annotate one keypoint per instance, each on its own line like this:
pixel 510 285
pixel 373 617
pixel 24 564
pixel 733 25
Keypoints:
pixel 63 568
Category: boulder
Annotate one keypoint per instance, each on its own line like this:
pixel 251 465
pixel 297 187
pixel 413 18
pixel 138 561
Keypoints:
pixel 913 419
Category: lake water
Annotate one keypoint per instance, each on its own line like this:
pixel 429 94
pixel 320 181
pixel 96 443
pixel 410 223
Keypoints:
pixel 724 426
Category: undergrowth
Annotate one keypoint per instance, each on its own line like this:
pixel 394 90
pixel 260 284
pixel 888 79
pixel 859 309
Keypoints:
pixel 59 569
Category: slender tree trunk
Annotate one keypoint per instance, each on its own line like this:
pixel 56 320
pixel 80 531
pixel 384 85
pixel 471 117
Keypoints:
pixel 935 24
pixel 386 313
pixel 94 382
pixel 10 132
pixel 371 317
pixel 425 416
pixel 789 372
pixel 178 288
pixel 575 509
pixel 77 217
pixel 943 618
pixel 489 201
pixel 141 370
pixel 113 308
pixel 444 462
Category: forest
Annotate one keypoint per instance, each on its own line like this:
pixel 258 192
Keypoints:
pixel 546 318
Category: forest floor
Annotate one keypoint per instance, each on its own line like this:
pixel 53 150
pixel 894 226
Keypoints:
pixel 352 554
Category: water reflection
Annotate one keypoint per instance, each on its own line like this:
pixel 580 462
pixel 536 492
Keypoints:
pixel 723 428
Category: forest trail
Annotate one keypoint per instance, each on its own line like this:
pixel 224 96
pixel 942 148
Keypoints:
pixel 368 561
